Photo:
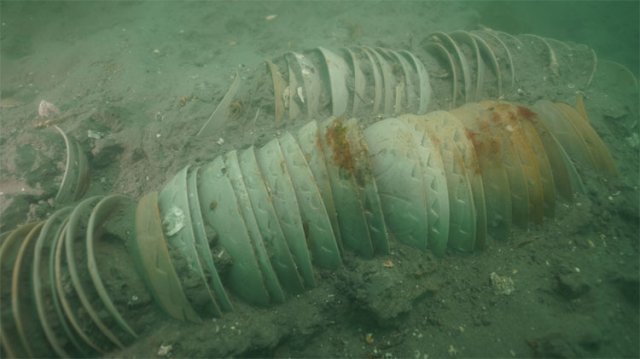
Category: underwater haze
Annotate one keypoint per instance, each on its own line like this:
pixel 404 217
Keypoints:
pixel 382 179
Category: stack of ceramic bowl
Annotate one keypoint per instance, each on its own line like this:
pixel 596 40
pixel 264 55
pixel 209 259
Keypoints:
pixel 315 84
pixel 56 297
pixel 254 223
pixel 447 70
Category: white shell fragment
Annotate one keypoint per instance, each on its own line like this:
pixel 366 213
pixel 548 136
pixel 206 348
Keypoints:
pixel 96 135
pixel 47 109
pixel 502 285
pixel 164 350
pixel 173 221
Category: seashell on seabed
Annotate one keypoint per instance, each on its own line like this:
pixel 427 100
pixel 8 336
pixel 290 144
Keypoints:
pixel 47 109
